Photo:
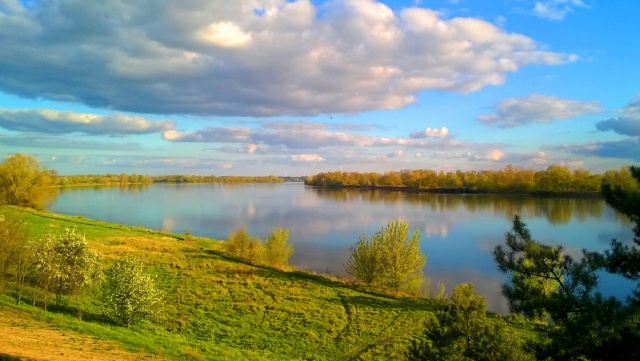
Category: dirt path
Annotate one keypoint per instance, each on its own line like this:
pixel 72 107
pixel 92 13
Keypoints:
pixel 25 339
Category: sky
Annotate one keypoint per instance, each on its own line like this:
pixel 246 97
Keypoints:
pixel 276 87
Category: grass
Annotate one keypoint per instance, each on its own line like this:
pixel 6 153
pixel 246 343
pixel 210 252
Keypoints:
pixel 220 308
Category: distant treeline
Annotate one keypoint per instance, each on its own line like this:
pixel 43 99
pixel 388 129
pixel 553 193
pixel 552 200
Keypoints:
pixel 511 179
pixel 126 179
pixel 215 179
pixel 101 179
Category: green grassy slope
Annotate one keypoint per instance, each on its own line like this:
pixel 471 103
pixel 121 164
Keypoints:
pixel 218 307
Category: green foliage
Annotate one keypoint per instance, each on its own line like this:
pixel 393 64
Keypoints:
pixel 276 249
pixel 216 308
pixel 389 259
pixel 23 183
pixel 538 270
pixel 128 294
pixel 64 264
pixel 103 180
pixel 462 331
pixel 555 179
pixel 585 324
pixel 365 261
pixel 242 245
pixel 13 250
pixel 216 179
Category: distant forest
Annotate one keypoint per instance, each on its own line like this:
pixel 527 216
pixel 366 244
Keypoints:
pixel 126 179
pixel 511 179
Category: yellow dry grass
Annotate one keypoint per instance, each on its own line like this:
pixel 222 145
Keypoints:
pixel 24 338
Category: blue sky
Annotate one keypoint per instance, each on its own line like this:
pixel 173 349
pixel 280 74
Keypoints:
pixel 296 87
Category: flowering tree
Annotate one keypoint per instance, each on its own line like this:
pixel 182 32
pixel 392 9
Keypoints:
pixel 129 294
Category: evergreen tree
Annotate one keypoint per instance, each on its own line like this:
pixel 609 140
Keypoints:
pixel 585 324
pixel 462 331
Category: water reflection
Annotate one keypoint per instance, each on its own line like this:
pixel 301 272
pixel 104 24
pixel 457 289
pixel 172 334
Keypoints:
pixel 458 232
pixel 555 210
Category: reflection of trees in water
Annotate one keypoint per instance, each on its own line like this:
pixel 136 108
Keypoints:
pixel 555 210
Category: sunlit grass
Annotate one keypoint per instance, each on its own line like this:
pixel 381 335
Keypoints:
pixel 219 307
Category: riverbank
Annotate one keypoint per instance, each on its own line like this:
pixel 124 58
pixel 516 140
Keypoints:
pixel 218 307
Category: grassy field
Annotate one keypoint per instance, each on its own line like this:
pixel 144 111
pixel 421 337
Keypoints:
pixel 221 308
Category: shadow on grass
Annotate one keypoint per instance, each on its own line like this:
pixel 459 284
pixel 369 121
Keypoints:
pixel 377 299
pixel 6 357
pixel 393 303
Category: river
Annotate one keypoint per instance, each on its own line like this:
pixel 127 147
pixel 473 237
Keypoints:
pixel 458 232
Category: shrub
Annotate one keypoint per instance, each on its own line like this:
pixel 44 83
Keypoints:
pixel 241 244
pixel 276 249
pixel 64 264
pixel 128 294
pixel 389 259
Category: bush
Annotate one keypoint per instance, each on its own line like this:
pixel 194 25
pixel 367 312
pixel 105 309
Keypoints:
pixel 241 244
pixel 64 264
pixel 276 249
pixel 389 259
pixel 128 294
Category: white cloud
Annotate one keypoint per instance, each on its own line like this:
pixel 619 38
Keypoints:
pixel 397 153
pixel 494 155
pixel 249 58
pixel 628 123
pixel 535 108
pixel 225 34
pixel 222 135
pixel 431 133
pixel 556 9
pixel 307 158
pixel 53 121
pixel 251 148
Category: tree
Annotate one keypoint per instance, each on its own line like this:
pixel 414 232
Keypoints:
pixel 276 249
pixel 24 183
pixel 585 324
pixel 365 261
pixel 12 239
pixel 462 331
pixel 15 253
pixel 128 294
pixel 389 259
pixel 65 265
pixel 537 270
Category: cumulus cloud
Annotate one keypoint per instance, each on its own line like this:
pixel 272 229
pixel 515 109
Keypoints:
pixel 556 9
pixel 248 58
pixel 307 158
pixel 492 155
pixel 397 153
pixel 430 133
pixel 628 123
pixel 58 122
pixel 536 108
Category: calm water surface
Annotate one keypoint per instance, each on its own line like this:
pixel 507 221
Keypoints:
pixel 458 232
